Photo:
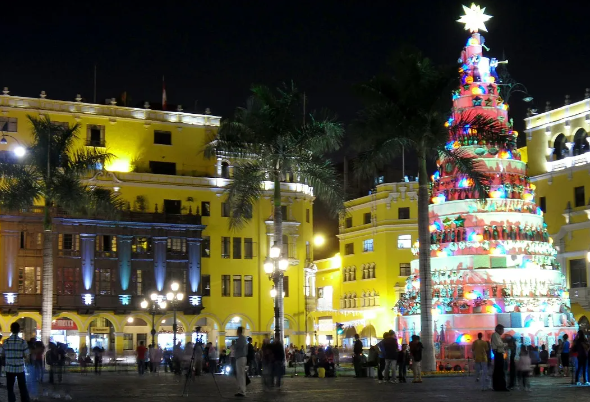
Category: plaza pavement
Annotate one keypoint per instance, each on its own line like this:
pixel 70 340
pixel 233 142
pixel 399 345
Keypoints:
pixel 164 387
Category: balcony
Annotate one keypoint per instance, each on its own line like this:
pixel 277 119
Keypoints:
pixel 580 296
pixel 123 216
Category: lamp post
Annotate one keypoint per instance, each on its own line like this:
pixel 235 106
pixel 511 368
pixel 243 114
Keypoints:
pixel 156 303
pixel 174 296
pixel 19 150
pixel 275 267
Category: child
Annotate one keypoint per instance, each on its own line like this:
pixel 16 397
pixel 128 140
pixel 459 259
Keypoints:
pixel 523 367
pixel 402 362
pixel 416 351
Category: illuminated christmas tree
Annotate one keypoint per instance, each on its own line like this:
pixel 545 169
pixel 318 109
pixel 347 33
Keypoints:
pixel 491 257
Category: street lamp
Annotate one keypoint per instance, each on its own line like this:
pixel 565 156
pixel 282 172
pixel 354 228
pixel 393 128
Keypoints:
pixel 19 151
pixel 156 304
pixel 174 297
pixel 275 267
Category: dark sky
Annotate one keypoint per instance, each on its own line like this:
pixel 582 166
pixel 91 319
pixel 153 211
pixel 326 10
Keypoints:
pixel 212 51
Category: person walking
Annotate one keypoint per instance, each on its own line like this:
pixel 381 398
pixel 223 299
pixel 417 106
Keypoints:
pixel 524 368
pixel 16 351
pixel 278 364
pixel 416 348
pixel 241 356
pixel 212 356
pixel 381 346
pixel 251 360
pixel 391 352
pixel 565 356
pixel 141 352
pixel 499 347
pixel 357 356
pixel 581 347
pixel 480 356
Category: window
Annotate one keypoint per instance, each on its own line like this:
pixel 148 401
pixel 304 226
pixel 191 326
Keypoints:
pixel 225 170
pixel 225 247
pixel 8 124
pixel 237 285
pixel 205 208
pixel 307 250
pixel 248 248
pixel 543 204
pixel 367 245
pixel 67 281
pixel 95 136
pixel 141 245
pixel 225 285
pixel 579 197
pixel 103 279
pixel 285 212
pixel 29 280
pixel 176 245
pixel 22 239
pixel 349 248
pixel 367 218
pixel 404 241
pixel 286 285
pixel 285 247
pixel 404 269
pixel 205 247
pixel 578 273
pixel 142 338
pixel 403 213
pixel 139 282
pixel 379 180
pixel 237 252
pixel 307 215
pixel 172 207
pixel 68 243
pixel 128 342
pixel 225 210
pixel 206 284
pixel 248 286
pixel 162 137
pixel 348 222
pixel 106 243
pixel 168 168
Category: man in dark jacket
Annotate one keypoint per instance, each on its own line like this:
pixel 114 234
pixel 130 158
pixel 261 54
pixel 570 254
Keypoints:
pixel 251 361
pixel 391 350
pixel 356 358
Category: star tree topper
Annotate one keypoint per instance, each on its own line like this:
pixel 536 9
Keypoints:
pixel 474 18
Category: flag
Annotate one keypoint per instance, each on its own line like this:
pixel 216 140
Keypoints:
pixel 164 99
pixel 124 98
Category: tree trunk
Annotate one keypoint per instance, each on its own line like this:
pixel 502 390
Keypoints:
pixel 426 334
pixel 47 288
pixel 278 242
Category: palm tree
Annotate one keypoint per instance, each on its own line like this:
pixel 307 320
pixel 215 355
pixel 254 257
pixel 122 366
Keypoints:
pixel 270 139
pixel 407 112
pixel 50 174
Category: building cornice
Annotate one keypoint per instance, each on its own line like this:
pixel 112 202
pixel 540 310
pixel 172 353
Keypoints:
pixel 569 170
pixel 544 120
pixel 380 228
pixel 109 112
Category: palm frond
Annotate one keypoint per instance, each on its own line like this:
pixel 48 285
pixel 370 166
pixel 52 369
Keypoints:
pixel 84 160
pixel 19 187
pixel 104 203
pixel 68 193
pixel 321 135
pixel 467 164
pixel 243 192
pixel 326 183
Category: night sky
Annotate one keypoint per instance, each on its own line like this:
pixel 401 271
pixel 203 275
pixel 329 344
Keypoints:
pixel 211 52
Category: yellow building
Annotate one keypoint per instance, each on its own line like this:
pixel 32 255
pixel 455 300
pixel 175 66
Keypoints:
pixel 559 165
pixel 175 228
pixel 360 286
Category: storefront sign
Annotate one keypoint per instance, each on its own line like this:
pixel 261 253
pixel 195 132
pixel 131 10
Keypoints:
pixel 100 330
pixel 64 325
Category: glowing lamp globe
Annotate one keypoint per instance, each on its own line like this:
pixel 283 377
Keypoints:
pixel 175 286
pixel 154 296
pixel 283 264
pixel 273 293
pixel 268 266
pixel 20 151
pixel 163 305
pixel 170 296
pixel 275 252
pixel 179 296
pixel 144 304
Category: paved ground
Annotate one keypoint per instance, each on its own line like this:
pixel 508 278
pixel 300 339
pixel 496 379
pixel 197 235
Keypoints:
pixel 117 387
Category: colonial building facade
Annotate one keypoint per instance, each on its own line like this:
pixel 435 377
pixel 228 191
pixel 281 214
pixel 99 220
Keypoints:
pixel 174 228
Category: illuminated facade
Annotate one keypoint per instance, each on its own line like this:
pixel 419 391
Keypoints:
pixel 360 286
pixel 559 165
pixel 174 228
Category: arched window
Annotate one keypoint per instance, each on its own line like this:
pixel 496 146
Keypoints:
pixel 561 150
pixel 581 142
pixel 225 170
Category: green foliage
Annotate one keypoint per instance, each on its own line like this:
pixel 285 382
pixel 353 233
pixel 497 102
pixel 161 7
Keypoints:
pixel 51 172
pixel 268 140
